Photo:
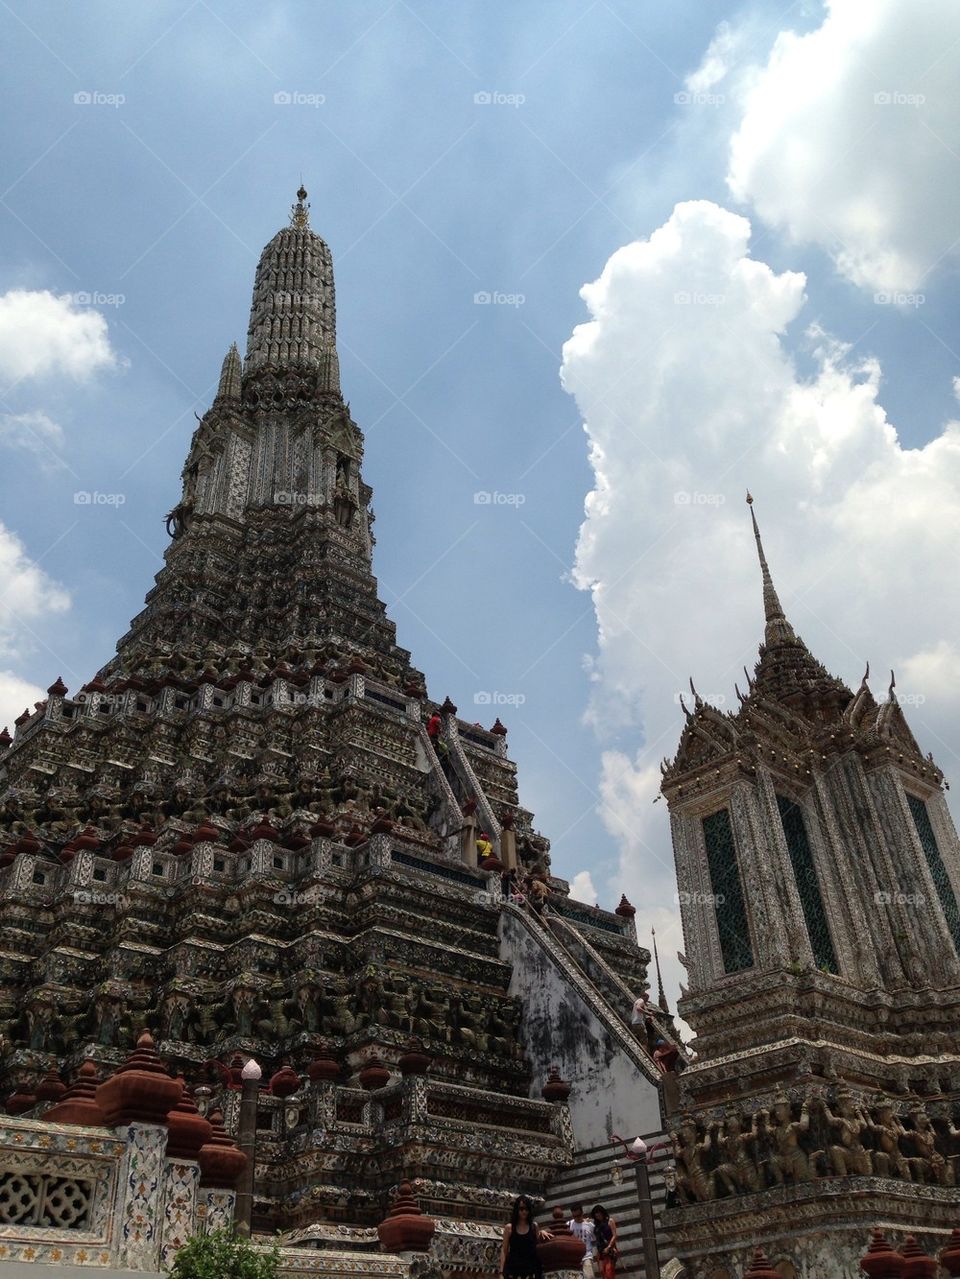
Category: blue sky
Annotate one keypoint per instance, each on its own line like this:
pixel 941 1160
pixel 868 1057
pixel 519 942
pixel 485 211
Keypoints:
pixel 162 190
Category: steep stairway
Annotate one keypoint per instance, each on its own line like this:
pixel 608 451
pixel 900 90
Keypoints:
pixel 591 1181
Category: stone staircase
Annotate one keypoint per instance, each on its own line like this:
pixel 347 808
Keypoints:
pixel 590 1182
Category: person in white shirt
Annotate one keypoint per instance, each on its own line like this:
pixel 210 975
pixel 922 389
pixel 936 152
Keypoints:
pixel 582 1227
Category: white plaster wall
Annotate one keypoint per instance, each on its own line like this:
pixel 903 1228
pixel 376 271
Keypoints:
pixel 609 1093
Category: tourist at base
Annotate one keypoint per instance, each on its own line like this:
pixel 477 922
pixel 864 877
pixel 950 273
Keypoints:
pixel 582 1228
pixel 518 1258
pixel 605 1241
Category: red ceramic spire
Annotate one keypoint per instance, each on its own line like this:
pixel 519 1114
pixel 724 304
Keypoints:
pixel 950 1257
pixel 564 1251
pixel 79 1103
pixel 188 1130
pixel 139 1091
pixel 880 1261
pixel 760 1267
pixel 405 1228
pixel 221 1163
pixel 917 1265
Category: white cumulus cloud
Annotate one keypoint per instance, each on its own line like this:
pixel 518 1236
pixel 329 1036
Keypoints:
pixel 582 889
pixel 42 333
pixel 36 432
pixel 847 136
pixel 689 396
pixel 27 594
pixel 16 695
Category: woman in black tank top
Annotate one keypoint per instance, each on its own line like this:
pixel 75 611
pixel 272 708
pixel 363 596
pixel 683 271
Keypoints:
pixel 518 1259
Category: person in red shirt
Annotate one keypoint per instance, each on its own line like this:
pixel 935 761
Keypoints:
pixel 433 729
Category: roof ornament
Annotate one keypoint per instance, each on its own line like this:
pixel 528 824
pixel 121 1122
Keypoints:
pixel 749 680
pixel 697 699
pixel 891 695
pixel 777 628
pixel 300 212
pixel 866 676
pixel 661 997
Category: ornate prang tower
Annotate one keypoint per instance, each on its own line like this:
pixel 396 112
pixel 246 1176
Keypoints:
pixel 241 834
pixel 819 873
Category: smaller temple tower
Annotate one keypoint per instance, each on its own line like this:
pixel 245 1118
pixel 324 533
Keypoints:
pixel 819 873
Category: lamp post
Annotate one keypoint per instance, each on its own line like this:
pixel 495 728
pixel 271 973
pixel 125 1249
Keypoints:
pixel 247 1141
pixel 637 1153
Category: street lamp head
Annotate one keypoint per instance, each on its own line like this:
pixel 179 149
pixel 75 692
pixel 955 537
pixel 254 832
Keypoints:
pixel 251 1071
pixel 638 1148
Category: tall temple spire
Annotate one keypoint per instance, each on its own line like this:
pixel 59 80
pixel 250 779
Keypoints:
pixel 778 628
pixel 293 323
pixel 661 996
pixel 230 375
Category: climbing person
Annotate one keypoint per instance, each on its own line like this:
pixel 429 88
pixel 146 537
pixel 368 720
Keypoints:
pixel 538 891
pixel 433 729
pixel 484 847
pixel 518 1257
pixel 605 1241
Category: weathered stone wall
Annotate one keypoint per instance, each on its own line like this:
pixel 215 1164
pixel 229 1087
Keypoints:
pixel 563 1027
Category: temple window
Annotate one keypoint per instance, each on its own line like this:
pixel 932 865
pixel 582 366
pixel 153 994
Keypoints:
pixel 808 886
pixel 938 871
pixel 727 889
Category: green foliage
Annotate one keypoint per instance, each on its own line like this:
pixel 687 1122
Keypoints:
pixel 221 1254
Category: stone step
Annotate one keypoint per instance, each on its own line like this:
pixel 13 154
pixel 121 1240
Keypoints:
pixel 589 1181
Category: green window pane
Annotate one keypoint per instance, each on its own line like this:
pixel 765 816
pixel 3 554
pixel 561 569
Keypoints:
pixel 938 872
pixel 728 892
pixel 808 886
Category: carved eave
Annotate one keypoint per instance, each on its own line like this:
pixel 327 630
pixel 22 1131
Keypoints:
pixel 709 749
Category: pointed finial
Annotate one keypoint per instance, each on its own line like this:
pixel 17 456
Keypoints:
pixel 891 695
pixel 661 997
pixel 300 212
pixel 866 676
pixel 777 626
pixel 231 375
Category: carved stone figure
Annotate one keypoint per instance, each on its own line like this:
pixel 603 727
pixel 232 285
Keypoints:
pixel 790 1162
pixel 848 1155
pixel 694 1183
pixel 736 1171
pixel 888 1159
